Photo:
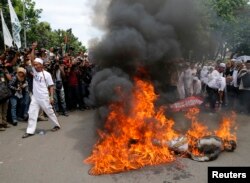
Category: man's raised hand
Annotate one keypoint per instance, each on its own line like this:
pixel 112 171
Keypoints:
pixel 34 45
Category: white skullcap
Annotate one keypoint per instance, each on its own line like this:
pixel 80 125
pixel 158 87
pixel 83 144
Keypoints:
pixel 222 65
pixel 39 60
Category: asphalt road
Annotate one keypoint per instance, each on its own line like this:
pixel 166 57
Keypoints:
pixel 57 157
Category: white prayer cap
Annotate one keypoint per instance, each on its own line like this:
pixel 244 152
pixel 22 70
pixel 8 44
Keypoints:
pixel 222 65
pixel 39 60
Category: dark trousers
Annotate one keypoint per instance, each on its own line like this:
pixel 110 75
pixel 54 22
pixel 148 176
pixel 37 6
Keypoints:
pixel 14 101
pixel 26 103
pixel 75 97
pixel 19 106
pixel 244 101
pixel 84 89
pixel 233 97
pixel 212 97
pixel 59 97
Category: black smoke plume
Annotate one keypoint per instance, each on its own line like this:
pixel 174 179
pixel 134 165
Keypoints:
pixel 141 34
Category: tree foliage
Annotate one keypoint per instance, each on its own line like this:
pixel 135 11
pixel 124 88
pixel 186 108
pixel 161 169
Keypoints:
pixel 225 26
pixel 227 9
pixel 46 37
pixel 32 14
pixel 36 30
pixel 239 36
pixel 228 25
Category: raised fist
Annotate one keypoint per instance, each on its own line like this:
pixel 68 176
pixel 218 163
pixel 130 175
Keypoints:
pixel 34 45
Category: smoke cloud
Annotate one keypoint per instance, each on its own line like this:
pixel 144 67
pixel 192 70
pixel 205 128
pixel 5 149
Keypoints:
pixel 141 34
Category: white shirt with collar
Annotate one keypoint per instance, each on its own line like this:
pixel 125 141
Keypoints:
pixel 216 81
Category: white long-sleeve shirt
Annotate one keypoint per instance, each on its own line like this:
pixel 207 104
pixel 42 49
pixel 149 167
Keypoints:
pixel 216 81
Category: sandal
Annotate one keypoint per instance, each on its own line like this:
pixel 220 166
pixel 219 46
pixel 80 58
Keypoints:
pixel 26 135
pixel 56 128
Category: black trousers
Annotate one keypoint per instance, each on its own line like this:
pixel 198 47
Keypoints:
pixel 245 100
pixel 233 98
pixel 212 96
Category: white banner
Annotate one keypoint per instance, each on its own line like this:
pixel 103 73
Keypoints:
pixel 6 33
pixel 16 26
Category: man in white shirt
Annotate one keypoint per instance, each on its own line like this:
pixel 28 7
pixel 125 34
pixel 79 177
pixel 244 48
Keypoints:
pixel 43 92
pixel 188 82
pixel 216 86
pixel 204 75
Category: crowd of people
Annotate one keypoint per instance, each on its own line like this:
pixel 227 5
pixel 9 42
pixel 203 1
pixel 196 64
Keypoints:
pixel 45 83
pixel 223 85
pixel 71 74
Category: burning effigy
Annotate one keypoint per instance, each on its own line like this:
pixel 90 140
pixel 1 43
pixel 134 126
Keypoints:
pixel 138 57
pixel 208 147
pixel 126 143
pixel 145 136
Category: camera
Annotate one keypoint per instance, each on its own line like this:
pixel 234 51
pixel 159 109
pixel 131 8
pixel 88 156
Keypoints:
pixel 54 64
pixel 11 54
pixel 61 61
pixel 79 61
pixel 2 66
pixel 40 53
pixel 58 51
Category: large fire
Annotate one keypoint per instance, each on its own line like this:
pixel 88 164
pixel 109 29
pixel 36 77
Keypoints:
pixel 198 130
pixel 138 136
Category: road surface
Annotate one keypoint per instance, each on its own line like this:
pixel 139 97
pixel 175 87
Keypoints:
pixel 57 157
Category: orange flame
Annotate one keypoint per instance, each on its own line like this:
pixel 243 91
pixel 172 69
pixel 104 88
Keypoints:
pixel 128 144
pixel 197 130
pixel 227 129
pixel 138 135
